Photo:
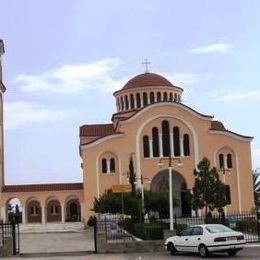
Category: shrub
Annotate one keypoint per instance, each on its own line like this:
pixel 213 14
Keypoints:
pixel 91 221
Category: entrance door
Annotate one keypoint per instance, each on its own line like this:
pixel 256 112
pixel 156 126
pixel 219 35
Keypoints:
pixel 74 211
pixel 185 203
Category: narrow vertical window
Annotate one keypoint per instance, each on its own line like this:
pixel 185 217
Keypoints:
pixel 171 97
pixel 155 135
pixel 186 145
pixel 126 103
pixel 176 141
pixel 151 97
pixel 229 160
pixel 166 138
pixel 112 165
pixel 122 103
pixel 132 102
pixel 228 195
pixel 104 165
pixel 138 100
pixel 145 99
pixel 221 160
pixel 146 146
pixel 165 97
pixel 159 98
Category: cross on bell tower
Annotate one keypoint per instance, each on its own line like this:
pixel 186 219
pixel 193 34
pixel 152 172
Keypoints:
pixel 146 63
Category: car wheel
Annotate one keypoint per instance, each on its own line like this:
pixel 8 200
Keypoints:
pixel 172 248
pixel 203 251
pixel 232 252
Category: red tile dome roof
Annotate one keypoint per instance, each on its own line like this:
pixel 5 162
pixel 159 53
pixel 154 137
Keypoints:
pixel 147 80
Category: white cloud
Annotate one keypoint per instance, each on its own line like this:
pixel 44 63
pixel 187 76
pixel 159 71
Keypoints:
pixel 256 158
pixel 227 96
pixel 182 79
pixel 73 78
pixel 213 48
pixel 22 113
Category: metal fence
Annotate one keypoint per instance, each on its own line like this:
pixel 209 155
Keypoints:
pixel 112 226
pixel 10 230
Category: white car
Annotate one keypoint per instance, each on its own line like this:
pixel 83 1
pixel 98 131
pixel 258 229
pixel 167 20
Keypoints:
pixel 205 239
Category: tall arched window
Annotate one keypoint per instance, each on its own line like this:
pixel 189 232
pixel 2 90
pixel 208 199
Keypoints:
pixel 175 97
pixel 221 160
pixel 151 97
pixel 122 103
pixel 171 97
pixel 104 165
pixel 155 134
pixel 176 141
pixel 126 103
pixel 166 138
pixel 165 97
pixel 186 145
pixel 229 160
pixel 159 98
pixel 112 165
pixel 146 146
pixel 132 102
pixel 145 99
pixel 138 100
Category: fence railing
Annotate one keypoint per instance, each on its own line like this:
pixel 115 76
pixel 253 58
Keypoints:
pixel 10 230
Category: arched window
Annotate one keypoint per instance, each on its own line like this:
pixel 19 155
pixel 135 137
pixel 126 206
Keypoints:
pixel 112 165
pixel 34 210
pixel 175 97
pixel 122 103
pixel 155 135
pixel 165 97
pixel 104 165
pixel 145 99
pixel 146 146
pixel 171 97
pixel 176 141
pixel 166 138
pixel 138 100
pixel 126 103
pixel 132 102
pixel 151 97
pixel 229 160
pixel 186 145
pixel 159 98
pixel 221 160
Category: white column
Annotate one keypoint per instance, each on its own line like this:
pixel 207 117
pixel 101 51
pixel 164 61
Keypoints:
pixel 151 148
pixel 82 212
pixel 3 213
pixel 142 102
pixel 135 101
pixel 225 161
pixel 160 145
pixel 62 213
pixel 24 218
pixel 43 214
pixel 170 198
pixel 108 165
pixel 155 97
pixel 171 144
pixel 148 99
pixel 181 146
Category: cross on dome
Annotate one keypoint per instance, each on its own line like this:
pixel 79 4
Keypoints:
pixel 146 63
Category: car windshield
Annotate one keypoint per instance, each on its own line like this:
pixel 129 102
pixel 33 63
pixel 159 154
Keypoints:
pixel 218 229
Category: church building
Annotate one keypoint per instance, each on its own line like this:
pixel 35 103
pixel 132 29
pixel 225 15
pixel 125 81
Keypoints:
pixel 152 126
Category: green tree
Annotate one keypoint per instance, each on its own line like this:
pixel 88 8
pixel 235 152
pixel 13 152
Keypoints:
pixel 132 176
pixel 208 192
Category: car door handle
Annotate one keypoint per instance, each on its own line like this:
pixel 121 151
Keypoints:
pixel 186 239
pixel 199 238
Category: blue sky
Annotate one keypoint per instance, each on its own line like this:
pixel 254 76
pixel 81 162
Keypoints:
pixel 65 58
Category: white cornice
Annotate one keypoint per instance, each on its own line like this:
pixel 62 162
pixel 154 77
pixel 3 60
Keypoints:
pixel 231 134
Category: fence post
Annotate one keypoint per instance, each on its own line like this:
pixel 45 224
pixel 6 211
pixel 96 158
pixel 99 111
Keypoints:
pixel 258 224
pixel 95 233
pixel 175 221
pixel 14 238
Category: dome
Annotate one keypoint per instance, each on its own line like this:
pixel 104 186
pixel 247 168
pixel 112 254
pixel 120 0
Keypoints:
pixel 147 80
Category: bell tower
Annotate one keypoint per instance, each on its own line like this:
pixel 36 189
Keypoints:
pixel 2 90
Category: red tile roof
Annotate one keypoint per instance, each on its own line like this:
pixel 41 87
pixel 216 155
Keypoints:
pixel 217 125
pixel 43 187
pixel 97 130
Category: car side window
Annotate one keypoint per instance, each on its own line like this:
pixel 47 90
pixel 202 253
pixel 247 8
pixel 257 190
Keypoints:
pixel 187 232
pixel 197 231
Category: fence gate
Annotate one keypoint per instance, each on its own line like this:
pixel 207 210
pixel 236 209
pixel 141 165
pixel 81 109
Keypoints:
pixel 10 232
